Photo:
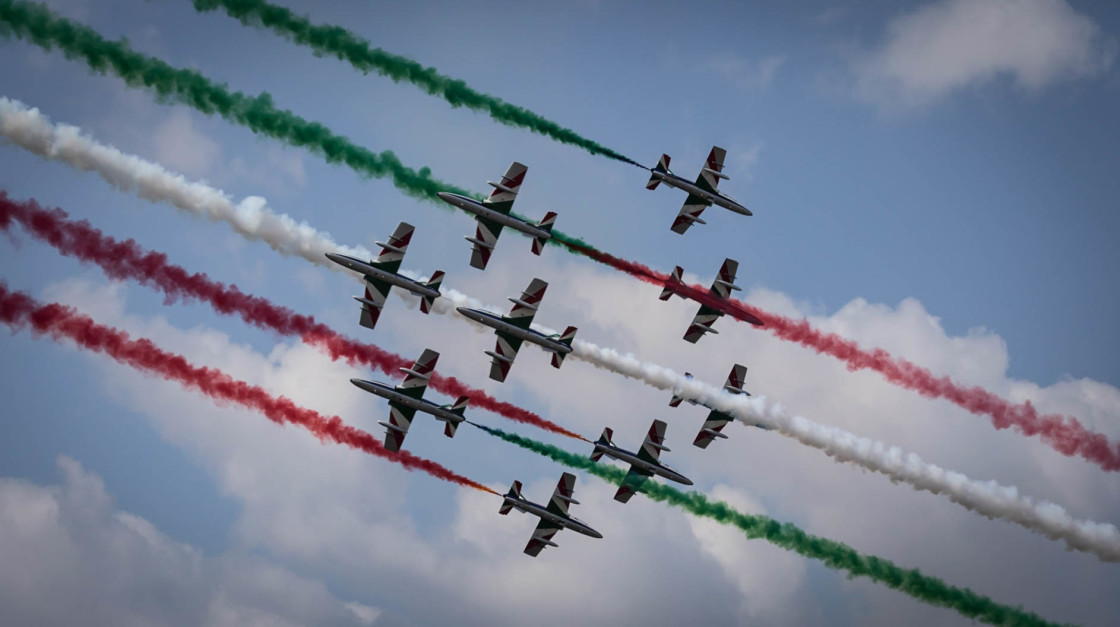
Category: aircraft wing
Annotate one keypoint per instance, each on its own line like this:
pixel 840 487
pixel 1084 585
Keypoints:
pixel 562 495
pixel 690 213
pixel 630 484
pixel 416 378
pixel 724 282
pixel 505 192
pixel 542 537
pixel 525 308
pixel 486 234
pixel 654 443
pixel 392 253
pixel 400 418
pixel 713 425
pixel 373 301
pixel 712 172
pixel 702 323
pixel 501 360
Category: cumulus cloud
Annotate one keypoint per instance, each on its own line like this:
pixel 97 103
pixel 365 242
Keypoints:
pixel 68 557
pixel 950 45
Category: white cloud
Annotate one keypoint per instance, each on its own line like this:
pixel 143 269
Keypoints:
pixel 950 45
pixel 180 147
pixel 68 557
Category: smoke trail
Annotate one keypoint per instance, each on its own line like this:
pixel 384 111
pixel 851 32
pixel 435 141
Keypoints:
pixel 35 22
pixel 987 498
pixel 348 46
pixel 18 311
pixel 128 260
pixel 835 555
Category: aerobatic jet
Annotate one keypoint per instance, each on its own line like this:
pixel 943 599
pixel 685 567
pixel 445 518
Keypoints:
pixel 408 397
pixel 554 516
pixel 643 464
pixel 701 194
pixel 494 213
pixel 381 275
pixel 716 420
pixel 721 289
pixel 513 328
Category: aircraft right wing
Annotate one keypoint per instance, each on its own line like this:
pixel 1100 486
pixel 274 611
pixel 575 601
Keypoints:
pixel 501 359
pixel 542 537
pixel 690 213
pixel 486 234
pixel 630 484
pixel 400 418
pixel 372 302
pixel 654 443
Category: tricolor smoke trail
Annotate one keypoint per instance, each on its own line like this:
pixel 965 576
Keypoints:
pixel 19 311
pixel 987 498
pixel 37 23
pixel 348 46
pixel 128 260
pixel 835 555
pixel 33 131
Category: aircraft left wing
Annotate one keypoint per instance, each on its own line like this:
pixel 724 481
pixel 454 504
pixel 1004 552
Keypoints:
pixel 542 537
pixel 372 302
pixel 416 378
pixel 486 234
pixel 501 358
pixel 690 213
pixel 400 419
pixel 562 495
pixel 654 443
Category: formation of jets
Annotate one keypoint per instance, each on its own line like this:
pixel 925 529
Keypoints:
pixel 513 328
pixel 494 213
pixel 701 194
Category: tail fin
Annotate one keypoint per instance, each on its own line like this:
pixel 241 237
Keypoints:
pixel 514 491
pixel 605 438
pixel 434 283
pixel 544 225
pixel 565 338
pixel 458 407
pixel 663 168
pixel 675 277
pixel 676 400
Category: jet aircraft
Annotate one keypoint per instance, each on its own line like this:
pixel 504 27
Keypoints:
pixel 720 290
pixel 408 397
pixel 701 194
pixel 494 213
pixel 643 464
pixel 714 424
pixel 513 328
pixel 381 275
pixel 554 516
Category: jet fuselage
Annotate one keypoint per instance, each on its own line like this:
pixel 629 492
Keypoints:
pixel 684 184
pixel 567 522
pixel 419 404
pixel 473 206
pixel 658 469
pixel 529 335
pixel 391 278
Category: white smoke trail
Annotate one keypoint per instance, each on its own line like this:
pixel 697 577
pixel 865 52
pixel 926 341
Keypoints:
pixel 253 219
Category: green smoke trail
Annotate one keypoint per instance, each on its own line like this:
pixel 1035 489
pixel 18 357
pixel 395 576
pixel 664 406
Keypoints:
pixel 38 24
pixel 835 555
pixel 348 46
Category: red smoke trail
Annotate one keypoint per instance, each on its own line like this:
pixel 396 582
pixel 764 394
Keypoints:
pixel 128 260
pixel 1063 433
pixel 18 310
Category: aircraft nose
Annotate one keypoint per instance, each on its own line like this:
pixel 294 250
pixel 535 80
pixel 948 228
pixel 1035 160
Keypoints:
pixel 445 196
pixel 595 534
pixel 686 480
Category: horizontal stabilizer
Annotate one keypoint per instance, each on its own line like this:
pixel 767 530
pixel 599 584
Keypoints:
pixel 450 426
pixel 674 278
pixel 505 508
pixel 558 359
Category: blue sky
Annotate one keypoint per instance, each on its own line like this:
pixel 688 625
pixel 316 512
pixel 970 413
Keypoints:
pixel 970 187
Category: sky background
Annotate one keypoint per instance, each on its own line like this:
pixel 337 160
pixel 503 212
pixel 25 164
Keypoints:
pixel 922 180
